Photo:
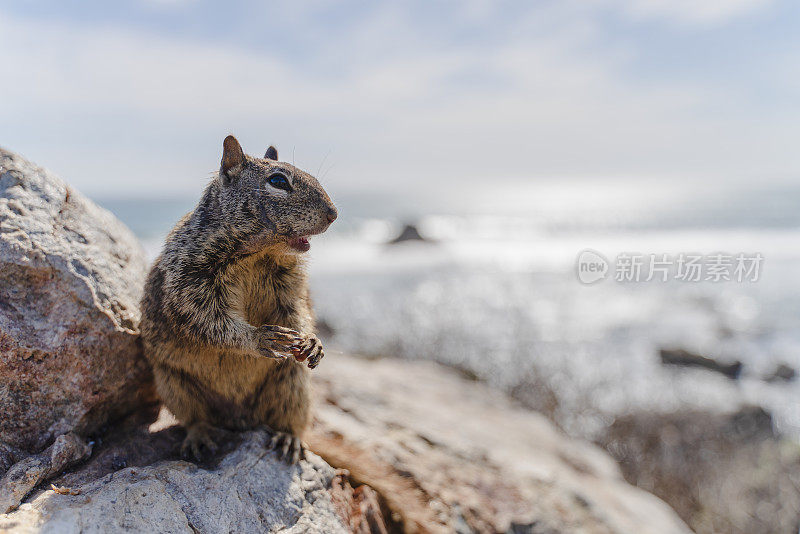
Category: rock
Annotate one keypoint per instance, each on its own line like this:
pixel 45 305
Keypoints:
pixel 71 276
pixel 686 358
pixel 782 373
pixel 409 233
pixel 20 479
pixel 359 508
pixel 722 472
pixel 446 454
pixel 420 450
pixel 9 455
pixel 249 490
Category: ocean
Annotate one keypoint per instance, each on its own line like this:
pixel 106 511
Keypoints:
pixel 496 294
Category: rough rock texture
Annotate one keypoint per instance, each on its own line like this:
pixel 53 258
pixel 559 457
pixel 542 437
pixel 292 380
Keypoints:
pixel 423 450
pixel 250 490
pixel 359 508
pixel 68 449
pixel 449 455
pixel 70 279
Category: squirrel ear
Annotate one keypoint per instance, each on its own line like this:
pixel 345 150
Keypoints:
pixel 272 153
pixel 232 158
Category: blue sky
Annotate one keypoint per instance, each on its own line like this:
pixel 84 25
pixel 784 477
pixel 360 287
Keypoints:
pixel 135 97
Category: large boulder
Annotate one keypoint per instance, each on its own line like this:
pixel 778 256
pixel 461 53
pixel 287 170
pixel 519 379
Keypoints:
pixel 419 450
pixel 71 276
pixel 447 454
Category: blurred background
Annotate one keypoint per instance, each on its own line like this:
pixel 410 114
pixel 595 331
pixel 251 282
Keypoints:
pixel 510 136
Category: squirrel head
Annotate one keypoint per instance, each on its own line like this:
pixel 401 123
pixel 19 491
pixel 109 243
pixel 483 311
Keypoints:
pixel 282 204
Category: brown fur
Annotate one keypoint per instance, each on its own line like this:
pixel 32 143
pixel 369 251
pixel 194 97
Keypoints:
pixel 227 269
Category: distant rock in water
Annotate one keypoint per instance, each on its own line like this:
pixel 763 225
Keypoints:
pixel 688 359
pixel 71 276
pixel 782 373
pixel 409 233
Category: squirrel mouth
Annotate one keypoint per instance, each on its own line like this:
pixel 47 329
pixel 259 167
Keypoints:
pixel 299 243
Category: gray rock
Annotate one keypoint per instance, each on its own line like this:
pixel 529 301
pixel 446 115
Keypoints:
pixel 685 358
pixel 409 233
pixel 250 490
pixel 67 450
pixel 782 373
pixel 70 279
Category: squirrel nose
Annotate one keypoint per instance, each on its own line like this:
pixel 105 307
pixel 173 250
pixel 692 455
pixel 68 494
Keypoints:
pixel 332 214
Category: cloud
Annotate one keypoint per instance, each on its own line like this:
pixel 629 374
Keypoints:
pixel 689 12
pixel 398 106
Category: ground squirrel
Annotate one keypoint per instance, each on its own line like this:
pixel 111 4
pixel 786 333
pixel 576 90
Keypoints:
pixel 227 322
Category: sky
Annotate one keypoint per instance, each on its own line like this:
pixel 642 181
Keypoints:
pixel 135 97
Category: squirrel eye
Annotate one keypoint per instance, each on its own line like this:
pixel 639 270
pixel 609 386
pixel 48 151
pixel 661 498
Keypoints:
pixel 278 180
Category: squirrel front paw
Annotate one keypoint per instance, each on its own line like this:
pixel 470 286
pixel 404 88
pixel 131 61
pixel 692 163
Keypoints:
pixel 279 342
pixel 309 349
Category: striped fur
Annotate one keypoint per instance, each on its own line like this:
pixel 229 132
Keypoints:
pixel 225 270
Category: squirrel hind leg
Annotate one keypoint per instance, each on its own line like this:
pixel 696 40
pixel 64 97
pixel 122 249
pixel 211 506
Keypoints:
pixel 199 442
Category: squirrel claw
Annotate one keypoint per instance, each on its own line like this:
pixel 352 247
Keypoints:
pixel 289 447
pixel 314 360
pixel 310 350
pixel 277 342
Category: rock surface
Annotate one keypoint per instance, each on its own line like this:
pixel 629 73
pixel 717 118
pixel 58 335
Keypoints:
pixel 71 276
pixel 423 449
pixel 250 490
pixel 685 358
pixel 450 455
pixel 68 449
